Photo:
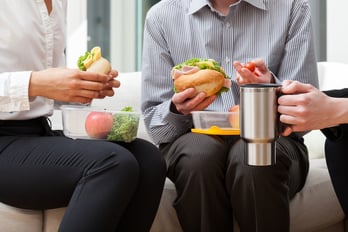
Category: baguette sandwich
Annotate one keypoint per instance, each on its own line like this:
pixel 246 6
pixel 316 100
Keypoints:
pixel 204 75
pixel 94 62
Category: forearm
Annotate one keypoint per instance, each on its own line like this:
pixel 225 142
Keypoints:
pixel 338 120
pixel 340 111
pixel 37 86
pixel 165 126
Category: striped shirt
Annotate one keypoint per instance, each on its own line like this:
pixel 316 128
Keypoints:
pixel 277 31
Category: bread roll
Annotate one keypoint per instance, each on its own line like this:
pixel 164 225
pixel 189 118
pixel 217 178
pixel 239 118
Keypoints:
pixel 205 80
pixel 101 66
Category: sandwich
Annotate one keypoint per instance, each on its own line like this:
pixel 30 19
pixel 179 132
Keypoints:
pixel 94 62
pixel 204 75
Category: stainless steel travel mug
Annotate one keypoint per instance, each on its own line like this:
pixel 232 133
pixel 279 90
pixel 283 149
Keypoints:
pixel 259 122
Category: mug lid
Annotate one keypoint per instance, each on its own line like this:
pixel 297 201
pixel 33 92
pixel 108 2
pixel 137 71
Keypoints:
pixel 261 85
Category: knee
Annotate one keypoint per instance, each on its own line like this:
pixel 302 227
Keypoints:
pixel 151 157
pixel 116 162
pixel 202 161
pixel 239 171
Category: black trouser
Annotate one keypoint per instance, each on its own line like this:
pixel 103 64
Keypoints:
pixel 105 186
pixel 213 183
pixel 336 154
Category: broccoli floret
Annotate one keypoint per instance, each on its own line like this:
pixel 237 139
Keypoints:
pixel 124 127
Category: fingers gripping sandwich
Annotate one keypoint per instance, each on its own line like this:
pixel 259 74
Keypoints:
pixel 94 62
pixel 204 75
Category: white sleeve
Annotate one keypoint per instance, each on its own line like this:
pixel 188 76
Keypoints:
pixel 14 91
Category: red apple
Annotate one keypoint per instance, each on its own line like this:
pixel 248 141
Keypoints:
pixel 98 124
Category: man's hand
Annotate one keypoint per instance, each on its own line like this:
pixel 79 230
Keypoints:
pixel 185 102
pixel 260 74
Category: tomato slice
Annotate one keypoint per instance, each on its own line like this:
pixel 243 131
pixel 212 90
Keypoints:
pixel 250 65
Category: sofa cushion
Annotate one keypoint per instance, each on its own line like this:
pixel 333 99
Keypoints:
pixel 316 205
pixel 16 220
pixel 315 141
pixel 52 219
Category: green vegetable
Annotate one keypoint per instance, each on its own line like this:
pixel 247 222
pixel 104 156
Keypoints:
pixel 80 61
pixel 125 126
pixel 203 63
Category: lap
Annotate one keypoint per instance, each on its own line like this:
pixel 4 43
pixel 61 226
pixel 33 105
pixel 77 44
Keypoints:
pixel 55 150
pixel 291 164
pixel 195 152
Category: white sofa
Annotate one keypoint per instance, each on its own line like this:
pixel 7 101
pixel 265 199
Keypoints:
pixel 315 208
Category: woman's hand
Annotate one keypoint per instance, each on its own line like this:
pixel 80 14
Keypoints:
pixel 260 74
pixel 72 85
pixel 304 107
pixel 185 102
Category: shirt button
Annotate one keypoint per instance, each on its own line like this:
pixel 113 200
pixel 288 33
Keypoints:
pixel 228 25
pixel 227 60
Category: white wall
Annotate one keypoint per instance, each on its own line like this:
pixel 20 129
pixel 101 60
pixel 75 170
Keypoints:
pixel 337 31
pixel 123 33
pixel 123 19
pixel 76 31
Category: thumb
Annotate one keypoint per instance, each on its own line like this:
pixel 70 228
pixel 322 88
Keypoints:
pixel 294 87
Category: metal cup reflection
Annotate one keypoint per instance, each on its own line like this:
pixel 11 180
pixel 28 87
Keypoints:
pixel 259 122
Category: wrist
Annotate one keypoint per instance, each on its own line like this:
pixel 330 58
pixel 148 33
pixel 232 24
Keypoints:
pixel 34 84
pixel 341 115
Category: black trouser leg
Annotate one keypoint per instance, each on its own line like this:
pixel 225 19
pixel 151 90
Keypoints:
pixel 197 164
pixel 260 194
pixel 336 152
pixel 143 207
pixel 97 180
pixel 211 180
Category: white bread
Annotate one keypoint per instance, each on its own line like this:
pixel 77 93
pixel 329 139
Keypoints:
pixel 205 80
pixel 101 66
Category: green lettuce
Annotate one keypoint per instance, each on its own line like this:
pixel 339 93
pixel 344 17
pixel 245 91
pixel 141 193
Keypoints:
pixel 125 126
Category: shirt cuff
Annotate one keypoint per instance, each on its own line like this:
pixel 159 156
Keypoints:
pixel 16 92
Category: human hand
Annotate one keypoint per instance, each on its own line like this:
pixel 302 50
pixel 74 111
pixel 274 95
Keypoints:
pixel 187 101
pixel 72 85
pixel 261 74
pixel 303 107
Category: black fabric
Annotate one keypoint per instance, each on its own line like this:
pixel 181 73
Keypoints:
pixel 336 154
pixel 339 93
pixel 213 183
pixel 106 186
pixel 336 147
pixel 335 133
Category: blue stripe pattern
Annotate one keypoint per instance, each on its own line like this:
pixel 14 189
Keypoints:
pixel 278 31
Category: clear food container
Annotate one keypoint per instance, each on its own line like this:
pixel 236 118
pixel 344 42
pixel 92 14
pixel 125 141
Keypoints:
pixel 85 122
pixel 220 123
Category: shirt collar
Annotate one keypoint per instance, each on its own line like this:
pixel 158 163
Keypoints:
pixel 196 5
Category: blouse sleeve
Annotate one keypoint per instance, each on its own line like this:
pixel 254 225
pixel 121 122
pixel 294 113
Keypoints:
pixel 14 91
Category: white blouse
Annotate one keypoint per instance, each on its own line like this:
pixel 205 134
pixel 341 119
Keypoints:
pixel 30 40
